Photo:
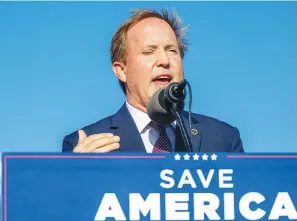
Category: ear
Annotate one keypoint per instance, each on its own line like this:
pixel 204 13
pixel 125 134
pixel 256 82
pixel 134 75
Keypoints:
pixel 119 70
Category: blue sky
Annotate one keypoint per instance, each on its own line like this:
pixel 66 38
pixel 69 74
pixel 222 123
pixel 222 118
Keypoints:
pixel 56 75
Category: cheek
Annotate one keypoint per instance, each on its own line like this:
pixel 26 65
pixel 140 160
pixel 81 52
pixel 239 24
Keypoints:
pixel 144 69
pixel 177 66
pixel 139 73
pixel 146 63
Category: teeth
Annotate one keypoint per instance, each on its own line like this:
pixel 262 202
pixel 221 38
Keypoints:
pixel 161 78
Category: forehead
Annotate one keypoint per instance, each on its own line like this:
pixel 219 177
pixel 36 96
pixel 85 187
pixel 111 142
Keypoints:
pixel 151 31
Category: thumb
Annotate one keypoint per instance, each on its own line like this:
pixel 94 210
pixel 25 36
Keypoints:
pixel 81 136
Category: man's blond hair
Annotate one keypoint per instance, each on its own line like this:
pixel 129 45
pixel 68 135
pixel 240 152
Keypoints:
pixel 118 47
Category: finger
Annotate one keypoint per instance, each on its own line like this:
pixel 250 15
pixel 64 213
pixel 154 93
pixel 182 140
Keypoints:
pixel 89 139
pixel 107 148
pixel 94 137
pixel 81 136
pixel 99 143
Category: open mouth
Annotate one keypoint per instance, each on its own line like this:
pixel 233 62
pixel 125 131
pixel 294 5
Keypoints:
pixel 163 79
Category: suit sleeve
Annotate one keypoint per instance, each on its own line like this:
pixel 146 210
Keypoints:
pixel 69 142
pixel 236 145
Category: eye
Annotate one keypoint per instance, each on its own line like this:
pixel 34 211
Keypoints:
pixel 173 50
pixel 148 51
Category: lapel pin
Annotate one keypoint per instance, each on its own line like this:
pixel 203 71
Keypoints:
pixel 194 132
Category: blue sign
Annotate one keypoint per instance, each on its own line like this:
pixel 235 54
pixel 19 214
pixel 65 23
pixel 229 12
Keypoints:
pixel 126 186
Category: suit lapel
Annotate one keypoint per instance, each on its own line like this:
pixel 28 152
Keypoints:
pixel 123 125
pixel 196 135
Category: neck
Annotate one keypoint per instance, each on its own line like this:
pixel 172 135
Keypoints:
pixel 137 105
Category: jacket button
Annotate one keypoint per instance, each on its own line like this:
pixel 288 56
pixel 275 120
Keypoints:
pixel 194 132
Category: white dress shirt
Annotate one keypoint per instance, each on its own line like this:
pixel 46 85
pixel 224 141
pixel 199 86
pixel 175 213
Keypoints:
pixel 148 134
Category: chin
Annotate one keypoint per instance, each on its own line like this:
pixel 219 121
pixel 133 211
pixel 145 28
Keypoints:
pixel 154 91
pixel 159 86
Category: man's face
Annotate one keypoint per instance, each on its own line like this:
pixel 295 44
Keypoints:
pixel 153 60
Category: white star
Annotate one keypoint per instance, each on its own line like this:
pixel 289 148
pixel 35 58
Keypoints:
pixel 177 156
pixel 204 157
pixel 214 157
pixel 196 157
pixel 187 157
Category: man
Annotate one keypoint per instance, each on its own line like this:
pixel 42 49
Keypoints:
pixel 146 54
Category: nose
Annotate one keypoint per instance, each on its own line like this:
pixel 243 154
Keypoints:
pixel 163 60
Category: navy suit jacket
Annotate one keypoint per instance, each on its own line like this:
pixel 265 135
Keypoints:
pixel 213 135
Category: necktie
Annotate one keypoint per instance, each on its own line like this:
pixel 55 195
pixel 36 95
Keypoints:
pixel 163 143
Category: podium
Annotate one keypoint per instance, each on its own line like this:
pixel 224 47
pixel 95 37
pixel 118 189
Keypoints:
pixel 128 186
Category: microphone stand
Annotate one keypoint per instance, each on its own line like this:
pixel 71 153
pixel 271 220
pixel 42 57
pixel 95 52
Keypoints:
pixel 174 109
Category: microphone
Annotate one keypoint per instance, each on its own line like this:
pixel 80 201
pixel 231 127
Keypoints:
pixel 165 100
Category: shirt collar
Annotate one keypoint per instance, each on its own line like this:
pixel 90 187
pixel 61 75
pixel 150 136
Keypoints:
pixel 140 118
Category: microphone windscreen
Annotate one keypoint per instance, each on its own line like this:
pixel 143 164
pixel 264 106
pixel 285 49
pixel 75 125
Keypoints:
pixel 157 110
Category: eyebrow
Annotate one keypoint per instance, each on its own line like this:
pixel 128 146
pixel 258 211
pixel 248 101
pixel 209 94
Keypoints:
pixel 170 46
pixel 166 47
pixel 151 46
